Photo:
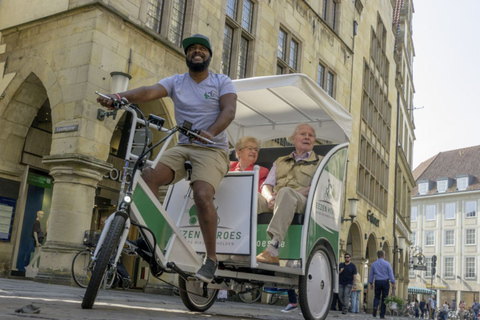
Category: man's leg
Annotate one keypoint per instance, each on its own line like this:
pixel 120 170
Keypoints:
pixel 347 289
pixel 385 289
pixel 161 175
pixel 376 300
pixel 203 193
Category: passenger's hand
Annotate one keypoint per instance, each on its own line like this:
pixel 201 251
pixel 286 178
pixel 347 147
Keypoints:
pixel 304 192
pixel 271 200
pixel 107 102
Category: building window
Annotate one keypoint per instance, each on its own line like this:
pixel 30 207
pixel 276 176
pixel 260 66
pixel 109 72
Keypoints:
pixel 376 114
pixel 429 238
pixel 238 38
pixel 423 188
pixel 448 271
pixel 470 209
pixel 154 14
pixel 330 12
pixel 462 183
pixel 470 267
pixel 428 264
pixel 442 185
pixel 167 17
pixel 326 79
pixel 450 211
pixel 288 52
pixel 449 237
pixel 470 237
pixel 430 212
pixel 413 238
pixel 378 49
pixel 414 214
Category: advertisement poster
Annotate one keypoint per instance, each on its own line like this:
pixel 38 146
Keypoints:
pixel 7 210
pixel 233 201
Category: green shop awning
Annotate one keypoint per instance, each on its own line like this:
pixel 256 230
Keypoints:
pixel 417 290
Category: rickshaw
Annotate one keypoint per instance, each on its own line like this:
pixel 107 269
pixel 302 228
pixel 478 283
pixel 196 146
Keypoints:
pixel 268 108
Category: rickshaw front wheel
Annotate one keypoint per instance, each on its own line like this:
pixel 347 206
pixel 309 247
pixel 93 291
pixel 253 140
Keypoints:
pixel 191 293
pixel 315 288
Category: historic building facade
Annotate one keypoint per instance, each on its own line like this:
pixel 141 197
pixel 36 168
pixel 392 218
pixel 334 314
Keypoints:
pixel 445 224
pixel 60 155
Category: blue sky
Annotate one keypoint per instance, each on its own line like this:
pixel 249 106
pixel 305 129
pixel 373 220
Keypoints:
pixel 446 75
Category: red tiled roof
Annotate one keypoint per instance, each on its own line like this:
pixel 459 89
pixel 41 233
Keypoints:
pixel 450 164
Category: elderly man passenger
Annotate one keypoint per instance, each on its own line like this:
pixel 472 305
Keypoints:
pixel 286 189
pixel 246 150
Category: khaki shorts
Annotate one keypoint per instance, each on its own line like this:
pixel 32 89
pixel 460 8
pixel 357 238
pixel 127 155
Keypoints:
pixel 209 164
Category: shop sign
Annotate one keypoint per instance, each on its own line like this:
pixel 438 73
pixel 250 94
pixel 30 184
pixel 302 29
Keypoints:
pixel 372 219
pixel 116 175
pixel 39 181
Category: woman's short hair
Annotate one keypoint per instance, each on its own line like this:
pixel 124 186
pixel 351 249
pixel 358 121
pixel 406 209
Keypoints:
pixel 244 140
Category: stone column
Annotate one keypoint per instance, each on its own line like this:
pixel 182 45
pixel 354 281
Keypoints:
pixel 75 180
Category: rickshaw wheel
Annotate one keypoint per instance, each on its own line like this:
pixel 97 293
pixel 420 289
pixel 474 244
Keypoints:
pixel 316 286
pixel 191 293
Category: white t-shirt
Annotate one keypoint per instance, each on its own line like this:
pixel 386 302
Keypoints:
pixel 198 103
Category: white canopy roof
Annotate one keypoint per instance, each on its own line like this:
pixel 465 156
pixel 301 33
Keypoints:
pixel 271 107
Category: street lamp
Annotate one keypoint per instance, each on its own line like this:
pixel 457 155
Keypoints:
pixel 352 206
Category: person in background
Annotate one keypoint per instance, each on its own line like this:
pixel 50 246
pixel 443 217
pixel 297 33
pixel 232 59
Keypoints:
pixel 423 308
pixel 355 295
pixel 475 309
pixel 381 271
pixel 461 310
pixel 246 150
pixel 292 301
pixel 346 281
pixel 445 309
pixel 37 232
pixel 432 305
pixel 416 308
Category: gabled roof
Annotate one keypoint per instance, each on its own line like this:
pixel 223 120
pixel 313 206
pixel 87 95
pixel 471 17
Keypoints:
pixel 450 164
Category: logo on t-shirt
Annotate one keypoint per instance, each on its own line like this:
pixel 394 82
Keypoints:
pixel 210 95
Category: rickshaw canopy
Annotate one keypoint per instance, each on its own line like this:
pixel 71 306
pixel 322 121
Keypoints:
pixel 271 107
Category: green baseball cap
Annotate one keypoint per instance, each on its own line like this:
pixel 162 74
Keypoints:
pixel 197 39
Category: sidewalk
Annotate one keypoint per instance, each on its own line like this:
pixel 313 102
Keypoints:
pixel 63 302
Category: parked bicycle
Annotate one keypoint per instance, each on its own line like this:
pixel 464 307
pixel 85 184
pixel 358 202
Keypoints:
pixel 82 265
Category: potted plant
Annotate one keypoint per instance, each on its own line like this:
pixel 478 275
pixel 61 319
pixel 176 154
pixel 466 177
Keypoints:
pixel 394 302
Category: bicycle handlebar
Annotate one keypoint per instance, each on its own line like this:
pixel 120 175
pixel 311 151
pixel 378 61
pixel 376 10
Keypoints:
pixel 185 128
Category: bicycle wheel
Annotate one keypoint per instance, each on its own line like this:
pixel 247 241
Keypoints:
pixel 191 293
pixel 249 293
pixel 82 268
pixel 103 261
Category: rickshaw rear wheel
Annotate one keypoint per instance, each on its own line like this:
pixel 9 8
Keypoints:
pixel 191 293
pixel 315 288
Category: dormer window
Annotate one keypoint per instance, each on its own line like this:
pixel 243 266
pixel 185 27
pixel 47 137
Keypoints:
pixel 442 185
pixel 462 183
pixel 423 187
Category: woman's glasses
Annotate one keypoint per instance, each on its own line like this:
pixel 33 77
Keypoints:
pixel 250 149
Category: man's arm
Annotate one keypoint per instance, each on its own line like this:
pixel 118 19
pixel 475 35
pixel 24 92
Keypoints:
pixel 269 195
pixel 138 95
pixel 228 107
pixel 37 243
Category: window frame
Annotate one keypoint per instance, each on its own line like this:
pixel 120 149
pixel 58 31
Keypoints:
pixel 427 213
pixel 423 188
pixel 166 21
pixel 413 213
pixel 427 233
pixel 239 56
pixel 468 275
pixel 323 82
pixel 448 205
pixel 466 209
pixel 283 63
pixel 446 268
pixel 467 238
pixel 446 237
pixel 442 183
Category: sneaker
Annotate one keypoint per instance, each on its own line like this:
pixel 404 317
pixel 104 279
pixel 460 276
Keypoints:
pixel 207 272
pixel 290 307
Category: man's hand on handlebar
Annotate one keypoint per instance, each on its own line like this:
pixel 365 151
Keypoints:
pixel 107 102
pixel 204 134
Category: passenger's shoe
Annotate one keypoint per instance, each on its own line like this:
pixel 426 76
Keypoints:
pixel 266 257
pixel 290 307
pixel 374 313
pixel 207 272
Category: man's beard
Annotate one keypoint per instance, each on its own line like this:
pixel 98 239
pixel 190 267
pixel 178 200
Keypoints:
pixel 197 67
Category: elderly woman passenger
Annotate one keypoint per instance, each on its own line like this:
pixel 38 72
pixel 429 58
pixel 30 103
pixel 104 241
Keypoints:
pixel 246 150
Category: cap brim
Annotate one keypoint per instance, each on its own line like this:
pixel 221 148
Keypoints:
pixel 187 42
